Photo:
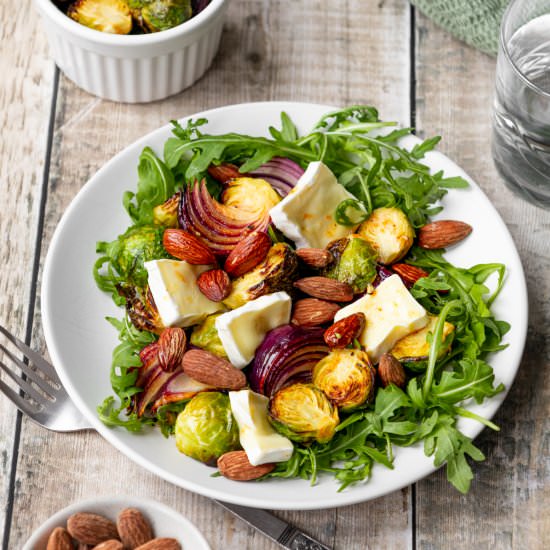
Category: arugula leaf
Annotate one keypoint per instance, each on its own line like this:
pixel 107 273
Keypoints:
pixel 155 185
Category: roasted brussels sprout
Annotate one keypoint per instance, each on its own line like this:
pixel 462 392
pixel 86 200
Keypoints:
pixel 416 347
pixel 141 308
pixel 303 413
pixel 252 195
pixel 160 15
pixel 206 429
pixel 389 232
pixel 346 377
pixel 166 214
pixel 355 262
pixel 139 244
pixel 276 272
pixel 111 16
pixel 206 336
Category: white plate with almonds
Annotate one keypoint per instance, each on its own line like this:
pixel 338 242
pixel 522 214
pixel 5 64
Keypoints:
pixel 116 523
pixel 80 341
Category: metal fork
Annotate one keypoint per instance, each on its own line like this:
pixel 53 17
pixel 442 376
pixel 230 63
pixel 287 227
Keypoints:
pixel 43 399
pixel 41 395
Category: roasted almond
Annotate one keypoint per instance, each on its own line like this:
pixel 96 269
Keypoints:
pixel 210 369
pixel 59 539
pixel 91 528
pixel 172 343
pixel 247 254
pixel 409 273
pixel 215 284
pixel 325 289
pixel 133 528
pixel 160 544
pixel 442 234
pixel 310 312
pixel 236 466
pixel 315 257
pixel 224 172
pixel 185 246
pixel 111 544
pixel 342 333
pixel 391 371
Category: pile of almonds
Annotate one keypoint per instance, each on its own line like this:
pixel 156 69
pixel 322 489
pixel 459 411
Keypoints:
pixel 87 531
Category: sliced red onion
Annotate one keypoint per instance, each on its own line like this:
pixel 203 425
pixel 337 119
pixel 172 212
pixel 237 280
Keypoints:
pixel 180 386
pixel 199 5
pixel 286 353
pixel 281 173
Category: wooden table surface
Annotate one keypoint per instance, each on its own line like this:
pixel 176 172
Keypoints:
pixel 383 52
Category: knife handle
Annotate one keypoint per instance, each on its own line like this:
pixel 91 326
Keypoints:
pixel 294 539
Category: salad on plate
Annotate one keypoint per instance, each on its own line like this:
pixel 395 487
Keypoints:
pixel 289 308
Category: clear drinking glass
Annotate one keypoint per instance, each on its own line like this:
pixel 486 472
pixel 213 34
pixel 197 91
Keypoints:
pixel 521 114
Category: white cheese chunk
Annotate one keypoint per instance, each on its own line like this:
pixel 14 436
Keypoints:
pixel 306 214
pixel 391 314
pixel 243 329
pixel 261 443
pixel 179 301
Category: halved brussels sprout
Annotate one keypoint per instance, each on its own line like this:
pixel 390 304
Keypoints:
pixel 389 232
pixel 206 429
pixel 276 272
pixel 206 336
pixel 303 413
pixel 160 15
pixel 415 346
pixel 112 16
pixel 166 214
pixel 253 195
pixel 355 262
pixel 346 377
pixel 129 251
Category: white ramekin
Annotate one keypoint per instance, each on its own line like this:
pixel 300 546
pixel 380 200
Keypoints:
pixel 133 68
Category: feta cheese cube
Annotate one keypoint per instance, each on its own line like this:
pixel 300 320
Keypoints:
pixel 391 313
pixel 243 329
pixel 261 443
pixel 179 301
pixel 306 214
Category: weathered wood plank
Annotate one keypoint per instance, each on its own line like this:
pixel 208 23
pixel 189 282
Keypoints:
pixel 508 504
pixel 25 92
pixel 306 51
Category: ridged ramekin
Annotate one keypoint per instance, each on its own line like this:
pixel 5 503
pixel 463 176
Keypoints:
pixel 134 68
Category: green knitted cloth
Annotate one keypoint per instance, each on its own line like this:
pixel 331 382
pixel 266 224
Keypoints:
pixel 476 22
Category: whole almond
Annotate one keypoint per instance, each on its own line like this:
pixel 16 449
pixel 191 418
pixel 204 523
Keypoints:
pixel 59 539
pixel 442 234
pixel 210 369
pixel 91 528
pixel 224 172
pixel 185 246
pixel 215 284
pixel 409 273
pixel 236 466
pixel 133 528
pixel 111 544
pixel 172 343
pixel 315 257
pixel 391 371
pixel 342 333
pixel 160 544
pixel 247 254
pixel 325 289
pixel 310 312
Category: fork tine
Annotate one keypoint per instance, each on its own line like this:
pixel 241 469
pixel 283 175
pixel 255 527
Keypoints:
pixel 35 357
pixel 24 385
pixel 23 405
pixel 42 383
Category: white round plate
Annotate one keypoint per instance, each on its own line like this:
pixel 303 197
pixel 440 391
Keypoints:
pixel 165 521
pixel 80 341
